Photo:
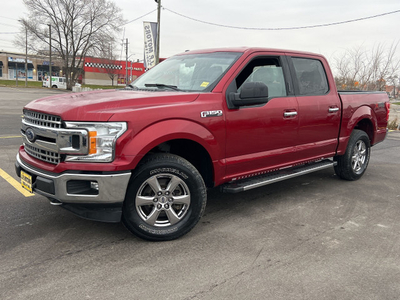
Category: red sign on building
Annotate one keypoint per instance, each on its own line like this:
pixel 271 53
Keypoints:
pixel 114 68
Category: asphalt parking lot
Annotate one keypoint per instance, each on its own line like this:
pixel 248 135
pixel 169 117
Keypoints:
pixel 312 237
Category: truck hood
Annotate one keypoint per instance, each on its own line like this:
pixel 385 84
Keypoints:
pixel 102 105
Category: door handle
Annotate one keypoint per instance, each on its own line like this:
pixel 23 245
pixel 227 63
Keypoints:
pixel 290 114
pixel 333 109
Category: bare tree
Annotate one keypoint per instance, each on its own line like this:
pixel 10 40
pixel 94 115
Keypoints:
pixel 78 28
pixel 108 62
pixel 360 69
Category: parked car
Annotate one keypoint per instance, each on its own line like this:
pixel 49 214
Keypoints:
pixel 237 118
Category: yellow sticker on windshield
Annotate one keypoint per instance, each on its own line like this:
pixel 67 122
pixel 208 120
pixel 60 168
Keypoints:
pixel 204 84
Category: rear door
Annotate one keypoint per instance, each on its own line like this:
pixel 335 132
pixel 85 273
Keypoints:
pixel 62 83
pixel 262 137
pixel 319 109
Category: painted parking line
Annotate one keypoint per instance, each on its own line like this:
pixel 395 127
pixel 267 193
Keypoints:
pixel 10 137
pixel 15 184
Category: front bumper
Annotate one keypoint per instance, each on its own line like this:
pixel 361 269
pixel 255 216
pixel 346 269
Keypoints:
pixel 77 188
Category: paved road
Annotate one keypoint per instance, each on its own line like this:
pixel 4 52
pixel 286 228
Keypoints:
pixel 312 237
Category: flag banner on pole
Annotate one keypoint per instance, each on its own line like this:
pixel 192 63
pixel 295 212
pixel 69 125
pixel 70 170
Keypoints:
pixel 150 37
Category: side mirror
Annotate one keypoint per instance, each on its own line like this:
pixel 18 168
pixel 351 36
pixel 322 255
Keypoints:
pixel 251 93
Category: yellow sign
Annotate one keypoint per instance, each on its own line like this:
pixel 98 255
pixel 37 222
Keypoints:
pixel 26 181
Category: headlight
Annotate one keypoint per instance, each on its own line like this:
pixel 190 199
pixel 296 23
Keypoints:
pixel 101 140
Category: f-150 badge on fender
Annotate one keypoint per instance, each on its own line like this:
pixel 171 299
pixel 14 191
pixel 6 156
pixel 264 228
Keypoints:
pixel 211 113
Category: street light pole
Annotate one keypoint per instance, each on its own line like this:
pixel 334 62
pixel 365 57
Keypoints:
pixel 158 31
pixel 126 64
pixel 50 83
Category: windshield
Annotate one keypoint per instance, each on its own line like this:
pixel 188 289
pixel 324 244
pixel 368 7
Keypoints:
pixel 191 72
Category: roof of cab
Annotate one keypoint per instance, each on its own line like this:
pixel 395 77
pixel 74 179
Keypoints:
pixel 248 50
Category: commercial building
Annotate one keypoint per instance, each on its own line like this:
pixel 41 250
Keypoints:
pixel 94 70
pixel 13 64
pixel 102 71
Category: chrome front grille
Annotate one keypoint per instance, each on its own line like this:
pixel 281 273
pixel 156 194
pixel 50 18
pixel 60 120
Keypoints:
pixel 44 146
pixel 45 138
pixel 44 155
pixel 40 119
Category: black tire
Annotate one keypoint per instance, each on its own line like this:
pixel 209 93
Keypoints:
pixel 352 165
pixel 154 210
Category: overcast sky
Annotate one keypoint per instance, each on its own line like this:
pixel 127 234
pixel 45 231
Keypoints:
pixel 179 33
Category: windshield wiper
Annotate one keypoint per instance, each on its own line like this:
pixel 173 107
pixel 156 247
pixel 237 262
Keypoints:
pixel 161 85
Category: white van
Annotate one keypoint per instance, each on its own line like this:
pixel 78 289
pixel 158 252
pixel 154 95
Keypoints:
pixel 56 82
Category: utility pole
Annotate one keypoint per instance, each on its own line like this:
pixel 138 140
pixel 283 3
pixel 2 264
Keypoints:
pixel 50 84
pixel 126 64
pixel 16 73
pixel 130 77
pixel 158 31
pixel 26 55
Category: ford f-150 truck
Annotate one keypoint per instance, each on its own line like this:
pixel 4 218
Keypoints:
pixel 238 118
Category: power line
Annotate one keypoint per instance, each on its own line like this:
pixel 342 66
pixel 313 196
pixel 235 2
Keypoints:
pixel 9 25
pixel 140 17
pixel 9 47
pixel 9 32
pixel 8 18
pixel 284 28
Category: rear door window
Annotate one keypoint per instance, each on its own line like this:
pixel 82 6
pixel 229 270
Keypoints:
pixel 311 76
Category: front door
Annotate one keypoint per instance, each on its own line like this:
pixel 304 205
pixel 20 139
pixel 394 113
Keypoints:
pixel 261 138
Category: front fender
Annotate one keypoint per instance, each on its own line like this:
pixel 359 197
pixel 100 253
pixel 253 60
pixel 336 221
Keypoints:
pixel 141 143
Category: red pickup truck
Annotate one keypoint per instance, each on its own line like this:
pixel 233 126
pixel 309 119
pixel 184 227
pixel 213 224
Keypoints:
pixel 238 118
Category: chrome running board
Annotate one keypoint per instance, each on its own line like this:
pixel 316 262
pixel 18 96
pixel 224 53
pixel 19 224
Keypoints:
pixel 287 173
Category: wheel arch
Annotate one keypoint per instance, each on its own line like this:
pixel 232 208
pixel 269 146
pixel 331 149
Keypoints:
pixel 193 152
pixel 187 139
pixel 367 126
pixel 363 119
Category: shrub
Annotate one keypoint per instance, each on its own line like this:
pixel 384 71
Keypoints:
pixel 393 124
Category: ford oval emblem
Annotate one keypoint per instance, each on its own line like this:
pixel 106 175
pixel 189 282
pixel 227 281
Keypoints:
pixel 30 135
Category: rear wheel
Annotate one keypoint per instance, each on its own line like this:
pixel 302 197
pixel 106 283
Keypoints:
pixel 352 165
pixel 165 198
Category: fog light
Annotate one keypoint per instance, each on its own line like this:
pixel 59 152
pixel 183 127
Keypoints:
pixel 82 187
pixel 94 185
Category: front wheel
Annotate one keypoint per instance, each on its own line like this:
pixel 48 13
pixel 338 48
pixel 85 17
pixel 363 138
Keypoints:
pixel 352 165
pixel 165 198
